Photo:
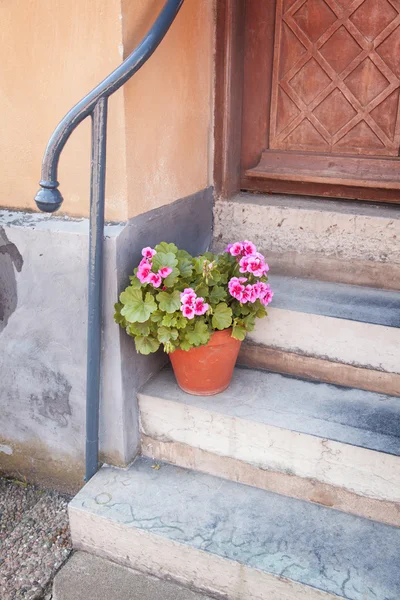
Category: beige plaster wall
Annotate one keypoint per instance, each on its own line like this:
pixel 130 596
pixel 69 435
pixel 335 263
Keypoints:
pixel 169 106
pixel 53 52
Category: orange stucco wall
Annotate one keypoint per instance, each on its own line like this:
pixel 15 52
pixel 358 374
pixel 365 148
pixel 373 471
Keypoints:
pixel 159 134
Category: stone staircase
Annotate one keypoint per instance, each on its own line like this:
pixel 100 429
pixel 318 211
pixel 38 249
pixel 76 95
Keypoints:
pixel 287 485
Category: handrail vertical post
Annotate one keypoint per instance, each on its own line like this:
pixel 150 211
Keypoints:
pixel 96 237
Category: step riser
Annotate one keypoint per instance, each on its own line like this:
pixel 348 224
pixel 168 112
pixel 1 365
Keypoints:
pixel 358 344
pixel 310 490
pixel 318 369
pixel 164 558
pixel 311 235
pixel 361 471
pixel 385 276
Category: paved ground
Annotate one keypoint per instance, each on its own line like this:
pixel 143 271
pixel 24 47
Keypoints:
pixel 87 577
pixel 34 540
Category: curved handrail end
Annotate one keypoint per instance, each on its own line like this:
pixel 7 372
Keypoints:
pixel 48 198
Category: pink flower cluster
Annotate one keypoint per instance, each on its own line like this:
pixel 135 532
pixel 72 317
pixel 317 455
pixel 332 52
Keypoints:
pixel 192 304
pixel 250 293
pixel 250 260
pixel 145 274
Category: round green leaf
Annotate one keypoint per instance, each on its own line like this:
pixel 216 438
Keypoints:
pixel 136 309
pixel 169 302
pixel 146 344
pixel 222 316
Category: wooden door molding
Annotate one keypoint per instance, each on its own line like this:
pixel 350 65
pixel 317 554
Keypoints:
pixel 229 64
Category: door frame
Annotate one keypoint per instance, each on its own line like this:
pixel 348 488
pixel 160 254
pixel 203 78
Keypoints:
pixel 229 77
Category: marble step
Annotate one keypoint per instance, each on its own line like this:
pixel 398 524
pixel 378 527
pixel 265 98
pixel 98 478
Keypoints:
pixel 231 540
pixel 346 439
pixel 343 334
pixel 340 241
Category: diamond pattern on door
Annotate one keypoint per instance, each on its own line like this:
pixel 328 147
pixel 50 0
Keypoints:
pixel 336 77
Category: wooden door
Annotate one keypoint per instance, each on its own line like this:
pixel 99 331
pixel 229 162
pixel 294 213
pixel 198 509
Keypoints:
pixel 321 111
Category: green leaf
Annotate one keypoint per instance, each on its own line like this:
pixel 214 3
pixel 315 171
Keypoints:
pixel 214 277
pixel 198 264
pixel 199 335
pixel 185 345
pixel 135 283
pixel 136 309
pixel 118 317
pixel 142 329
pixel 156 316
pixel 164 259
pixel 202 290
pixel 217 294
pixel 181 321
pixel 185 263
pixel 261 311
pixel 165 247
pixel 239 331
pixel 222 316
pixel 146 345
pixel 169 320
pixel 169 302
pixel 165 334
pixel 250 321
pixel 172 278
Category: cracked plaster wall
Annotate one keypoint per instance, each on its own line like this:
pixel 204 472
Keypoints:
pixel 43 307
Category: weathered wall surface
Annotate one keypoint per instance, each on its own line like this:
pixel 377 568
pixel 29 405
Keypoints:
pixel 54 52
pixel 169 105
pixel 43 319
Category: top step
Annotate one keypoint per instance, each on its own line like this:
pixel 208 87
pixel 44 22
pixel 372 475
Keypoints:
pixel 341 241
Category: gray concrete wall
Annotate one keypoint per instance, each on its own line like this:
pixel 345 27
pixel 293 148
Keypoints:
pixel 43 306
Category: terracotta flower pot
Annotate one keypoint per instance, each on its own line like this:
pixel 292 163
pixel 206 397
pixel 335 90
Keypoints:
pixel 207 370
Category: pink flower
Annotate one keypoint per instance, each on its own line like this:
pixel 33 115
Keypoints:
pixel 155 279
pixel 144 261
pixel 236 249
pixel 260 288
pixel 254 263
pixel 228 248
pixel 248 248
pixel 236 288
pixel 144 272
pixel 188 296
pixel 267 298
pixel 187 311
pixel 148 252
pixel 200 307
pixel 165 271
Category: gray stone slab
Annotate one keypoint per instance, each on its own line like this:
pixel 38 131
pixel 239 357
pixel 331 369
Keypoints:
pixel 88 577
pixel 351 302
pixel 347 415
pixel 355 558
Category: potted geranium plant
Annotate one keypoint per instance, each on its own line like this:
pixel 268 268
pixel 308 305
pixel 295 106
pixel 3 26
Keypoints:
pixel 199 309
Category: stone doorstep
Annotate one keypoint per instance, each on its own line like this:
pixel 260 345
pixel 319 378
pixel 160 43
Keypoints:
pixel 89 577
pixel 340 241
pixel 342 437
pixel 226 538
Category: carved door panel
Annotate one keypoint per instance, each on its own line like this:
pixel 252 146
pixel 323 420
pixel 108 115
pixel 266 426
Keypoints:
pixel 334 92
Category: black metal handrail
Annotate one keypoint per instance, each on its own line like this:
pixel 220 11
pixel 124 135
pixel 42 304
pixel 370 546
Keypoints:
pixel 49 199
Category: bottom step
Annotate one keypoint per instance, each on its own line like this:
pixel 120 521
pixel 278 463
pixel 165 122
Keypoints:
pixel 88 577
pixel 227 538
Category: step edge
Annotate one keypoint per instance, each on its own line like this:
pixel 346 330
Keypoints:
pixel 143 396
pixel 236 470
pixel 319 447
pixel 280 357
pixel 302 591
